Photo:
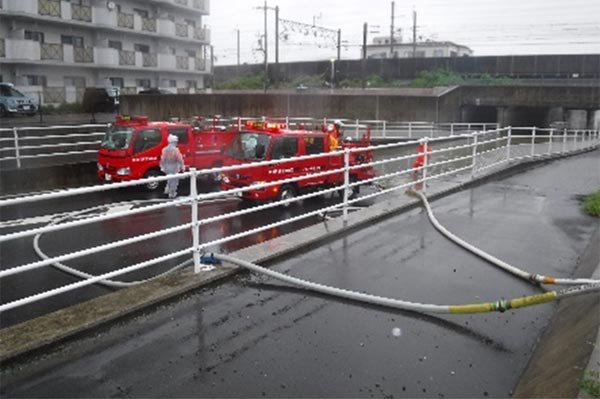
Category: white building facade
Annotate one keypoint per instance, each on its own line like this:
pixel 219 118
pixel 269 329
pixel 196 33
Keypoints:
pixel 381 48
pixel 56 48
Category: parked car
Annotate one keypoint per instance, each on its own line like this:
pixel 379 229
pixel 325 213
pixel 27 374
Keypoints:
pixel 101 99
pixel 13 102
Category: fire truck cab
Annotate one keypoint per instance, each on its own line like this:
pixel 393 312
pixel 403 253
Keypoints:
pixel 264 141
pixel 132 148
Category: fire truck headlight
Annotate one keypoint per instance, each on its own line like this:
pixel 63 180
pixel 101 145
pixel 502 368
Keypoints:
pixel 124 171
pixel 100 167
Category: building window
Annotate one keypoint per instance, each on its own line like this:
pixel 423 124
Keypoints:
pixel 191 53
pixel 115 44
pixel 145 83
pixel 117 82
pixel 35 80
pixel 171 18
pixel 77 81
pixel 190 22
pixel 438 53
pixel 75 41
pixel 453 53
pixel 35 36
pixel 142 48
pixel 172 50
pixel 191 84
pixel 172 83
pixel 141 13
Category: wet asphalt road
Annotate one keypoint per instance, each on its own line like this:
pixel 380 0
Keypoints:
pixel 253 337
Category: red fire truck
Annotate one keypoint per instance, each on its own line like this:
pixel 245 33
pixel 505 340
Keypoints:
pixel 264 141
pixel 132 147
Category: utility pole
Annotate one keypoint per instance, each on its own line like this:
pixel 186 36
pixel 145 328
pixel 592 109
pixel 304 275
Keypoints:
pixel 364 55
pixel 414 34
pixel 266 45
pixel 392 31
pixel 339 45
pixel 277 35
pixel 238 47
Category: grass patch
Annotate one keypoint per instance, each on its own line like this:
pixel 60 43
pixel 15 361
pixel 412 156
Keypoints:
pixel 591 383
pixel 591 204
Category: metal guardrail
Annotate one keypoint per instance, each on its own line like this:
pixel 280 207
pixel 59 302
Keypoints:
pixel 22 143
pixel 470 153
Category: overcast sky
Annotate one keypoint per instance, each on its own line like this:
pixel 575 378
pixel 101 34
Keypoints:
pixel 489 27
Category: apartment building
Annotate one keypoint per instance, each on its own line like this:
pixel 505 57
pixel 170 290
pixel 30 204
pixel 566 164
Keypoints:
pixel 56 48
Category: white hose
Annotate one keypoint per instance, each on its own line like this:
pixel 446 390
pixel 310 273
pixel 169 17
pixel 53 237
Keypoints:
pixel 536 278
pixel 500 306
pixel 84 275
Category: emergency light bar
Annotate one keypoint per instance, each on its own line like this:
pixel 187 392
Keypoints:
pixel 268 126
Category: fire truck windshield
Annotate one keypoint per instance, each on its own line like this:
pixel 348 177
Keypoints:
pixel 249 146
pixel 117 138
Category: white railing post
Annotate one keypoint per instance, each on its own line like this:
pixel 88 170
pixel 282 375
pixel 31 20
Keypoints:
pixel 474 163
pixel 287 121
pixel 410 130
pixel 17 151
pixel 346 182
pixel 384 129
pixel 551 140
pixel 451 129
pixel 469 127
pixel 195 224
pixel 564 143
pixel 425 163
pixel 533 129
pixel 508 143
pixel 239 123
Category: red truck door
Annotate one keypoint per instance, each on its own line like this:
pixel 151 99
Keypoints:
pixel 311 145
pixel 147 147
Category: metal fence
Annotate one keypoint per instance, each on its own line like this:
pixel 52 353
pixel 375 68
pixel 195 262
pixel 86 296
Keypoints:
pixel 461 154
pixel 22 144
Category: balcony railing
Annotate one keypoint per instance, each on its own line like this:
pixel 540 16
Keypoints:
pixel 148 24
pixel 200 64
pixel 199 33
pixel 181 30
pixel 81 13
pixel 126 57
pixel 199 4
pixel 2 49
pixel 54 95
pixel 149 60
pixel 83 54
pixel 51 51
pixel 182 62
pixel 50 8
pixel 125 20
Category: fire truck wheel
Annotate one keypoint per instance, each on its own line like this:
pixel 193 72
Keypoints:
pixel 153 186
pixel 287 192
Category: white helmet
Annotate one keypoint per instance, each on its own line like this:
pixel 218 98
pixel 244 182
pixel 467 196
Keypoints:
pixel 172 138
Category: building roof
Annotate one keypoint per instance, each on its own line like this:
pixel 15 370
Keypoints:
pixel 421 44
